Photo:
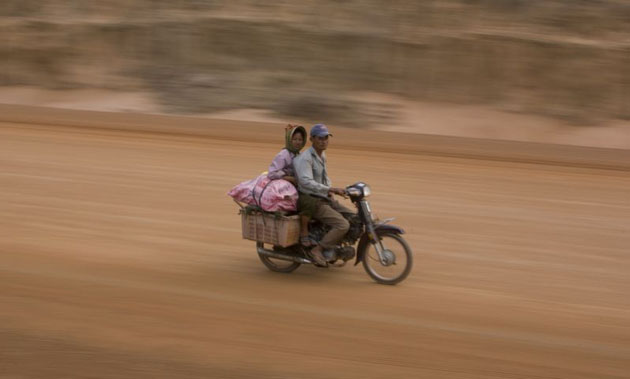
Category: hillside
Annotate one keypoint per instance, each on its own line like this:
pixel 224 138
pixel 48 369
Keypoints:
pixel 315 59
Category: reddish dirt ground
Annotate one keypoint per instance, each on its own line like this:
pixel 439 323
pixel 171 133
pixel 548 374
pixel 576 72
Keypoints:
pixel 121 257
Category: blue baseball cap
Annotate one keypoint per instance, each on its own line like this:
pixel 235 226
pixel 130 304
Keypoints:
pixel 320 130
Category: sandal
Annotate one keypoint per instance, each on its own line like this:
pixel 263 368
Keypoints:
pixel 306 241
pixel 318 259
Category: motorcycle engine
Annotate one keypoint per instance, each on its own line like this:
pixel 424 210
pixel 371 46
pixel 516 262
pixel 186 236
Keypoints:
pixel 317 230
pixel 356 228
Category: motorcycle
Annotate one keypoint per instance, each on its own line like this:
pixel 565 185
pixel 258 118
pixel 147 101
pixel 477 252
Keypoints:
pixel 384 253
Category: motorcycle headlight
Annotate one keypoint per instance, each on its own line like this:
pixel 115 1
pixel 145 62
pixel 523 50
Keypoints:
pixel 354 191
pixel 359 190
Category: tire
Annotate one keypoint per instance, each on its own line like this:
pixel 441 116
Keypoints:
pixel 398 247
pixel 276 265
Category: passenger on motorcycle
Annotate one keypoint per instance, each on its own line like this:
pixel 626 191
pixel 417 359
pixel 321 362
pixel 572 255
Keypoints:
pixel 316 192
pixel 282 168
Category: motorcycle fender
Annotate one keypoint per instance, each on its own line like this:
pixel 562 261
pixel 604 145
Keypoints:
pixel 365 240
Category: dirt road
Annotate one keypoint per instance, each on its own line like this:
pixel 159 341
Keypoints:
pixel 121 257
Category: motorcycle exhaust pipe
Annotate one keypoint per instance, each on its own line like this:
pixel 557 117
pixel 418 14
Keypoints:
pixel 272 254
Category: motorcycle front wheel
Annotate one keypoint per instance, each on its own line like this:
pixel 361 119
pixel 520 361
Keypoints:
pixel 274 264
pixel 397 263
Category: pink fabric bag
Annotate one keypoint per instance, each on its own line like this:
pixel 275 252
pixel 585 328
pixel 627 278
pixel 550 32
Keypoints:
pixel 270 195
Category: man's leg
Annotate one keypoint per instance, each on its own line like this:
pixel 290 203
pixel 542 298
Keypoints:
pixel 304 239
pixel 306 205
pixel 329 216
pixel 340 207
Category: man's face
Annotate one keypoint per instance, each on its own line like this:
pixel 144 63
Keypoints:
pixel 320 143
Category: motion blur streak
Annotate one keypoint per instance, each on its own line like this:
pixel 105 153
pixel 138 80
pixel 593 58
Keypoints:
pixel 121 257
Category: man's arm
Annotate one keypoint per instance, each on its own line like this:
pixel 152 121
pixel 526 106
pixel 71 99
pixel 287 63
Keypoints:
pixel 304 171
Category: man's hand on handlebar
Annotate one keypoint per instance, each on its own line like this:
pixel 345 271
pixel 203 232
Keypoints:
pixel 337 191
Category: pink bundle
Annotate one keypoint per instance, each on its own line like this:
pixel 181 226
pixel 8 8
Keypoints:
pixel 270 195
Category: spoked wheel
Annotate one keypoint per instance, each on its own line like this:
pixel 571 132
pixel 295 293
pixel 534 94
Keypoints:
pixel 274 264
pixel 397 260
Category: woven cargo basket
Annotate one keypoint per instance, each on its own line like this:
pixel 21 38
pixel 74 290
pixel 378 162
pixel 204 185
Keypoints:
pixel 271 228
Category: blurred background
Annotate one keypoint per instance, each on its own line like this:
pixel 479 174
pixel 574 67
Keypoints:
pixel 353 63
pixel 121 256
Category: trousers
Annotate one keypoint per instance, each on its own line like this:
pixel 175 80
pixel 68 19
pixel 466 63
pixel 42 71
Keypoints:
pixel 329 212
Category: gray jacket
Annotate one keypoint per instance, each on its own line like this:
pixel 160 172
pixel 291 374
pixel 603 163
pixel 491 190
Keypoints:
pixel 311 173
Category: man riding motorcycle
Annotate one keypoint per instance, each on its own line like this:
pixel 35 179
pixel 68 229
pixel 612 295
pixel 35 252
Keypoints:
pixel 316 192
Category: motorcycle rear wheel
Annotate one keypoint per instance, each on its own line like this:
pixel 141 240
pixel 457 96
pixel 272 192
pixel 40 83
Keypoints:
pixel 276 265
pixel 399 254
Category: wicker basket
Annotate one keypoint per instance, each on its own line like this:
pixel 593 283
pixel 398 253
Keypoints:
pixel 271 228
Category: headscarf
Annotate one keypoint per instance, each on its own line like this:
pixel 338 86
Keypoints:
pixel 290 130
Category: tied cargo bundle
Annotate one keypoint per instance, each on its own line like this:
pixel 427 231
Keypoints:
pixel 271 228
